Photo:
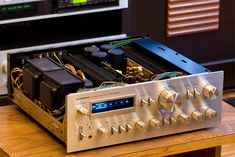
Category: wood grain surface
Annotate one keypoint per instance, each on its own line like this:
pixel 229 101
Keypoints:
pixel 20 135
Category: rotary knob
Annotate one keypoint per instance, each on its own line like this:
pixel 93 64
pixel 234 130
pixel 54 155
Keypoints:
pixel 198 116
pixel 210 92
pixel 140 125
pixel 170 100
pixel 210 113
pixel 103 131
pixel 183 118
pixel 82 110
pixel 154 123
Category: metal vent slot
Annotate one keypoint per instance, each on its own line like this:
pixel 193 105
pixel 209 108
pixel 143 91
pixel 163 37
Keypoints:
pixel 192 16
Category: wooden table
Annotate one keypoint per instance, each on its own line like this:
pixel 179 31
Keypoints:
pixel 20 135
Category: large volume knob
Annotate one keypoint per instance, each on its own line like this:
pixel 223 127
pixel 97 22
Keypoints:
pixel 210 92
pixel 170 100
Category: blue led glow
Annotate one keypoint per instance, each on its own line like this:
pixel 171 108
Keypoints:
pixel 112 105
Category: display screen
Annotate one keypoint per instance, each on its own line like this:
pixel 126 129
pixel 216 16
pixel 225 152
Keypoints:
pixel 79 1
pixel 13 8
pixel 112 105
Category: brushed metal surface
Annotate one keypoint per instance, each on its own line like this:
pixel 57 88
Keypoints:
pixel 141 118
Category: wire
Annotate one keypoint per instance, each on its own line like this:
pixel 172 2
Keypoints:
pixel 76 73
pixel 17 81
pixel 71 68
pixel 112 83
pixel 167 74
pixel 54 54
pixel 124 41
pixel 81 73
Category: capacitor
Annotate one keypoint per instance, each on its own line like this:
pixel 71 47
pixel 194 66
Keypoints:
pixel 99 56
pixel 116 57
pixel 107 47
pixel 91 49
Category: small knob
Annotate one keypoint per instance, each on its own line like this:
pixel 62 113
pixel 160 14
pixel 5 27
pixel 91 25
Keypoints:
pixel 154 123
pixel 210 113
pixel 197 115
pixel 170 100
pixel 173 121
pixel 114 130
pixel 140 125
pixel 129 128
pixel 82 110
pixel 122 129
pixel 103 131
pixel 210 92
pixel 184 118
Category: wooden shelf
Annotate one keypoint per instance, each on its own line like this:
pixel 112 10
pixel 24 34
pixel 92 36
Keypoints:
pixel 22 136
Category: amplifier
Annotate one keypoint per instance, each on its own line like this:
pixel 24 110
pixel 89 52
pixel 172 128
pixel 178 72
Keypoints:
pixel 27 10
pixel 111 92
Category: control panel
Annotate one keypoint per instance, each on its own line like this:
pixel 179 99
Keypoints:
pixel 134 112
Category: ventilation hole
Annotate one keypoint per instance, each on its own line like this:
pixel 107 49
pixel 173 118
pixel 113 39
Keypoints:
pixel 176 54
pixel 184 61
pixel 161 48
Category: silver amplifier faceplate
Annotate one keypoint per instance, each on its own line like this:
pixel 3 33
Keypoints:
pixel 150 109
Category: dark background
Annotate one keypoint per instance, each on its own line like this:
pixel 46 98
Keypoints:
pixel 215 49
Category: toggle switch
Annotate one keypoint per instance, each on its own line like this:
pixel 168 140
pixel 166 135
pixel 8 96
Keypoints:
pixel 129 128
pixel 144 102
pixel 114 130
pixel 151 101
pixel 122 129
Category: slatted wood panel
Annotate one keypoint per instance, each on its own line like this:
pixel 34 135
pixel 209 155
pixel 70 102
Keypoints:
pixel 192 16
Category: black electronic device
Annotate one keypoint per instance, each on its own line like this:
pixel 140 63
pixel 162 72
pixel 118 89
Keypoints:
pixel 29 8
pixel 93 71
pixel 33 73
pixel 55 86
